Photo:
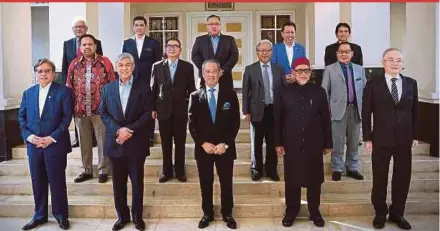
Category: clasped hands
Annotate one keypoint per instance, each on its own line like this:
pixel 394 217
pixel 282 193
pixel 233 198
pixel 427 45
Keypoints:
pixel 123 134
pixel 41 142
pixel 218 149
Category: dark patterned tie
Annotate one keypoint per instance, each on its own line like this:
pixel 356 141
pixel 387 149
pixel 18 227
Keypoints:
pixel 394 92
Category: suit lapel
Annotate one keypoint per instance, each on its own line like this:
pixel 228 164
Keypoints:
pixel 131 98
pixel 338 70
pixel 115 90
pixel 210 47
pixel 48 100
pixel 35 100
pixel 258 73
pixel 133 44
pixel 221 41
pixel 166 71
pixel 357 74
pixel 283 50
pixel 220 102
pixel 144 46
pixel 405 88
pixel 176 73
pixel 73 47
pixel 387 90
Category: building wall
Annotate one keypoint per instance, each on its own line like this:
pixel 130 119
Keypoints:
pixel 40 33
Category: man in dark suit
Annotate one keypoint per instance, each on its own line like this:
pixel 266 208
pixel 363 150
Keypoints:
pixel 145 51
pixel 214 121
pixel 172 82
pixel 125 110
pixel 71 50
pixel 44 117
pixel 262 81
pixel 215 45
pixel 342 32
pixel 393 100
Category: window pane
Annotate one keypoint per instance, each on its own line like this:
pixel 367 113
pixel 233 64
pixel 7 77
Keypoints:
pixel 279 38
pixel 281 19
pixel 267 21
pixel 268 34
pixel 170 35
pixel 171 23
pixel 155 23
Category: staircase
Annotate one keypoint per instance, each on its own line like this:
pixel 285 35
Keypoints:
pixel 173 199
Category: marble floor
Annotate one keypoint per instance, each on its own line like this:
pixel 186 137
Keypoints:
pixel 419 223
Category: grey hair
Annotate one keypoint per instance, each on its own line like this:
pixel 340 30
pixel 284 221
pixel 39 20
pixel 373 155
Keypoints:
pixel 210 61
pixel 125 56
pixel 264 41
pixel 79 19
pixel 389 50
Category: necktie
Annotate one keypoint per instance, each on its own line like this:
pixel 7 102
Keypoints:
pixel 214 44
pixel 394 91
pixel 212 105
pixel 266 85
pixel 350 85
pixel 172 70
pixel 78 50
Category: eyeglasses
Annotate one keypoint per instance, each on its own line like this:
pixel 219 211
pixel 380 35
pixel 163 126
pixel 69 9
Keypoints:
pixel 173 46
pixel 46 71
pixel 264 50
pixel 79 27
pixel 346 52
pixel 398 61
pixel 302 71
pixel 213 24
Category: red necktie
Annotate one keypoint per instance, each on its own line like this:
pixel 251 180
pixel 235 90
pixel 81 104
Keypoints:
pixel 78 52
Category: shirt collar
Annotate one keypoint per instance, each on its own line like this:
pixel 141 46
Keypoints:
pixel 46 87
pixel 215 87
pixel 135 37
pixel 169 61
pixel 268 63
pixel 343 64
pixel 389 77
pixel 216 37
pixel 293 44
pixel 130 82
pixel 96 57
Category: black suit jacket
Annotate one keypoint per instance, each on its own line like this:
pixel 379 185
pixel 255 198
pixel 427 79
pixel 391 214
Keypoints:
pixel 70 53
pixel 253 89
pixel 172 97
pixel 226 55
pixel 330 54
pixel 392 124
pixel 226 125
pixel 151 53
pixel 137 114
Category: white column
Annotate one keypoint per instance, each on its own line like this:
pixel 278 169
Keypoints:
pixel 15 53
pixel 421 50
pixel 370 24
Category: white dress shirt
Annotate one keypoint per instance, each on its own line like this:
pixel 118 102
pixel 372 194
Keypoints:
pixel 139 44
pixel 215 93
pixel 398 84
pixel 42 97
pixel 289 52
pixel 269 70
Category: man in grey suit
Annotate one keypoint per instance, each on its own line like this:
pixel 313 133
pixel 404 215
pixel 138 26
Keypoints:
pixel 262 81
pixel 344 82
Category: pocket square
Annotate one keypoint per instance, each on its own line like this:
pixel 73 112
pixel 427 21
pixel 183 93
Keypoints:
pixel 226 106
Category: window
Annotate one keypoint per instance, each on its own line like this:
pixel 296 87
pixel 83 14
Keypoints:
pixel 270 26
pixel 163 28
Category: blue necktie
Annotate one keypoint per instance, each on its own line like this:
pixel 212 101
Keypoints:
pixel 172 70
pixel 212 105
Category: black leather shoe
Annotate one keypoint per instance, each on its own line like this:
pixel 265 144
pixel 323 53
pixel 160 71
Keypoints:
pixel 318 221
pixel 230 222
pixel 336 176
pixel 379 222
pixel 164 179
pixel 34 223
pixel 64 224
pixel 139 225
pixel 288 221
pixel 274 177
pixel 401 222
pixel 75 145
pixel 119 225
pixel 355 175
pixel 255 175
pixel 204 222
pixel 181 178
pixel 103 178
pixel 83 177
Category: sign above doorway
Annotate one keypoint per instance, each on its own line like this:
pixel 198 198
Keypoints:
pixel 219 6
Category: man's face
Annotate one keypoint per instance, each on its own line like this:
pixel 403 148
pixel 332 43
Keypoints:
pixel 343 34
pixel 79 28
pixel 139 27
pixel 211 74
pixel 288 34
pixel 302 74
pixel 264 52
pixel 125 69
pixel 45 74
pixel 214 25
pixel 173 49
pixel 88 47
pixel 393 62
pixel 344 53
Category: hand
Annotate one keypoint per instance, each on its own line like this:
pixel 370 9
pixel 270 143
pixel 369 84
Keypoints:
pixel 154 115
pixel 123 135
pixel 221 72
pixel 45 142
pixel 220 149
pixel 247 117
pixel 327 151
pixel 280 151
pixel 290 78
pixel 208 147
pixel 369 146
pixel 415 143
pixel 37 141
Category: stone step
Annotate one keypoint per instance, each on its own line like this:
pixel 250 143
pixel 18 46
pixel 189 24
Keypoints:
pixel 22 185
pixel 243 151
pixel 332 204
pixel 20 167
pixel 243 136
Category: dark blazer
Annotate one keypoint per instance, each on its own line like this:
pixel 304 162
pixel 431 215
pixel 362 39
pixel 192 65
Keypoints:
pixel 227 122
pixel 226 55
pixel 151 53
pixel 253 89
pixel 70 53
pixel 393 124
pixel 54 121
pixel 137 114
pixel 171 98
pixel 330 54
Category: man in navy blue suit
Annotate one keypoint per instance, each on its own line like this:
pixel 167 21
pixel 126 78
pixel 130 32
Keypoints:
pixel 125 110
pixel 145 51
pixel 44 117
